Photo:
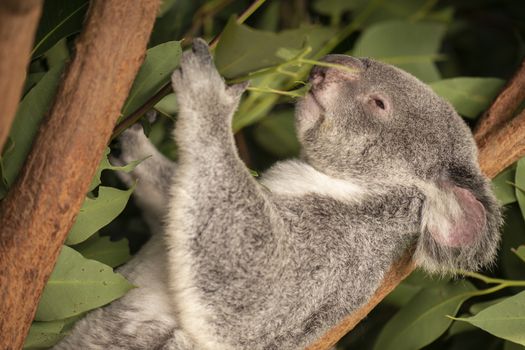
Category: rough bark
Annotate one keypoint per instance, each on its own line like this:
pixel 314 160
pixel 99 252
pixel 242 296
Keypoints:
pixel 18 22
pixel 501 141
pixel 41 207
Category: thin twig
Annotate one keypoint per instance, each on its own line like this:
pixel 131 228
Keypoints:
pixel 139 112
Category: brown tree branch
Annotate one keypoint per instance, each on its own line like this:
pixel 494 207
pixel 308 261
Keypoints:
pixel 18 22
pixel 504 146
pixel 501 146
pixel 41 207
pixel 503 107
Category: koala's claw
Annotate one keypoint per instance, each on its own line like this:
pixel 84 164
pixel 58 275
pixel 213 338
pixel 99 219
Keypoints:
pixel 201 50
pixel 197 79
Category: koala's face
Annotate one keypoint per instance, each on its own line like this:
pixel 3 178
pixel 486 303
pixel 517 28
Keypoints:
pixel 380 123
pixel 377 118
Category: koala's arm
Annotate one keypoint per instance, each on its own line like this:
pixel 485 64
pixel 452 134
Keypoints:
pixel 152 177
pixel 210 175
pixel 218 213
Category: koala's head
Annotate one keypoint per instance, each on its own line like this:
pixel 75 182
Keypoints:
pixel 374 121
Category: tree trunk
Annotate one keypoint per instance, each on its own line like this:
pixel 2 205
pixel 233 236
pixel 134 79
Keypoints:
pixel 18 22
pixel 500 144
pixel 41 207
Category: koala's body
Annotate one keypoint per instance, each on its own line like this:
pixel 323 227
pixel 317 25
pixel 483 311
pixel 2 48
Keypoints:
pixel 386 166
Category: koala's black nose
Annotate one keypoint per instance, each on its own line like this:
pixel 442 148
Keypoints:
pixel 324 74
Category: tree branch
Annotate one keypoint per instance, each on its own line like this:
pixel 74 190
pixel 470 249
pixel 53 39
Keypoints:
pixel 502 144
pixel 40 209
pixel 18 22
pixel 503 107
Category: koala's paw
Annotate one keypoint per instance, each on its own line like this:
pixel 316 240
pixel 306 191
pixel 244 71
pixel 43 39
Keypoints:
pixel 197 83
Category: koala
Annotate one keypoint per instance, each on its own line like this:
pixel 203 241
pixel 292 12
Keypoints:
pixel 386 166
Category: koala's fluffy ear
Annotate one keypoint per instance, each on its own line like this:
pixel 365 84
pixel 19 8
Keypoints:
pixel 460 223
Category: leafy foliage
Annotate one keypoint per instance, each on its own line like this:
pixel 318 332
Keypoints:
pixel 464 50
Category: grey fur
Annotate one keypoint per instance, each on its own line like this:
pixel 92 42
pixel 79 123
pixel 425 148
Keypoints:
pixel 385 164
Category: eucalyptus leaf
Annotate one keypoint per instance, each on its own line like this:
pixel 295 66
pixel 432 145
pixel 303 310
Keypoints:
pixel 412 46
pixel 102 249
pixel 27 120
pixel 402 294
pixel 512 346
pixel 78 285
pixel 43 335
pixel 411 10
pixel 269 16
pixel 335 8
pixel 505 319
pixel 156 70
pixel 520 184
pixel 97 213
pixel 459 328
pixel 31 80
pixel 469 96
pixel 513 236
pixel 106 165
pixel 520 252
pixel 478 307
pixel 236 54
pixel 167 106
pixel 423 319
pixel 60 19
pixel 502 186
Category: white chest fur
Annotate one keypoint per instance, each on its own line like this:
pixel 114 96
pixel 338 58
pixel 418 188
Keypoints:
pixel 297 178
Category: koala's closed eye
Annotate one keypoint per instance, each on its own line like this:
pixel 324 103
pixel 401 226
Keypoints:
pixel 378 104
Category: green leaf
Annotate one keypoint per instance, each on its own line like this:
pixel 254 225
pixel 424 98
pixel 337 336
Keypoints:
pixel 60 19
pixel 102 249
pixel 423 319
pixel 520 252
pixel 97 213
pixel 276 134
pixel 520 184
pixel 43 335
pixel 106 165
pixel 513 236
pixel 412 285
pixel 402 294
pixel 412 46
pixel 78 285
pixel 411 10
pixel 31 80
pixel 236 54
pixel 504 320
pixel 156 70
pixel 167 106
pixel 459 327
pixel 27 120
pixel 238 46
pixel 478 307
pixel 512 346
pixel 469 96
pixel 502 185
pixel 335 8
